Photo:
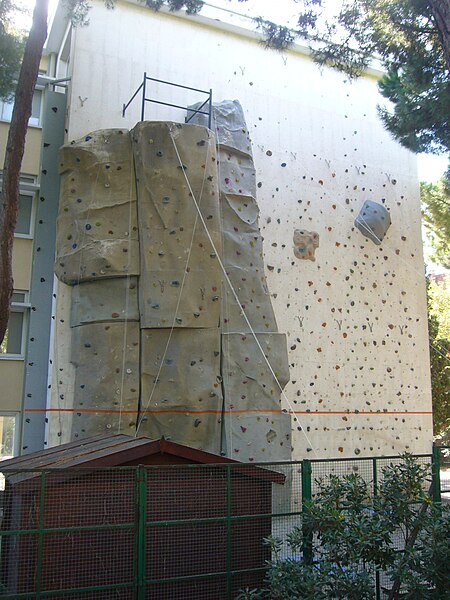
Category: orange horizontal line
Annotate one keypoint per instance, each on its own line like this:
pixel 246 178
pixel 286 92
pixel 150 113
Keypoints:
pixel 362 412
pixel 82 410
pixel 234 411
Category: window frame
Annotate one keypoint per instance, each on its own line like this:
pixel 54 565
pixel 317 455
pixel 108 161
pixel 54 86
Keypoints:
pixel 24 308
pixel 37 125
pixel 16 416
pixel 32 195
pixel 27 187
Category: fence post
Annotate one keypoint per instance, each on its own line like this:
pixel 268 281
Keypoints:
pixel 141 522
pixel 210 110
pixel 436 474
pixel 229 574
pixel 375 493
pixel 306 501
pixel 144 92
pixel 40 545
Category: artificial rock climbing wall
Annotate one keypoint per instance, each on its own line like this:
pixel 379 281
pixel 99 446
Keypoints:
pixel 355 317
pixel 255 361
pixel 148 220
pixel 98 254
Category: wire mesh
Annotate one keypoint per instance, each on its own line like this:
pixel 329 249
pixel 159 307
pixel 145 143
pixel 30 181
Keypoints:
pixel 62 531
pixel 168 532
pixel 444 462
pixel 207 524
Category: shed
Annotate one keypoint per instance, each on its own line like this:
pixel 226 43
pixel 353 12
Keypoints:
pixel 115 516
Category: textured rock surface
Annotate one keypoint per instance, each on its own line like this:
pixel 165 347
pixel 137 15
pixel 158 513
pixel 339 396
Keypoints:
pixel 159 338
pixel 255 427
pixel 373 221
pixel 97 221
pixel 181 386
pixel 106 390
pixel 179 270
pixel 305 244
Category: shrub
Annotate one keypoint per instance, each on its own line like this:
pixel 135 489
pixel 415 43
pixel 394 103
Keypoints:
pixel 354 534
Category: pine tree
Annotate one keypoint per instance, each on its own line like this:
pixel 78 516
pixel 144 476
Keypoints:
pixel 439 334
pixel 436 217
pixel 11 47
pixel 411 39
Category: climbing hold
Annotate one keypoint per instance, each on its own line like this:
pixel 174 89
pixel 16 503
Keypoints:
pixel 305 244
pixel 373 221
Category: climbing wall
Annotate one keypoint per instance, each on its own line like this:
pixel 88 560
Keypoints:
pixel 355 316
pixel 98 254
pixel 255 362
pixel 159 341
pixel 179 289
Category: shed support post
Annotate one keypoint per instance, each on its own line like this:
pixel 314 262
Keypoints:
pixel 436 474
pixel 40 546
pixel 375 493
pixel 229 573
pixel 141 530
pixel 306 501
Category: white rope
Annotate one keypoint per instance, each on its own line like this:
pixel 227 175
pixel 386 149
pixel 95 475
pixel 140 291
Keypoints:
pixel 233 291
pixel 185 271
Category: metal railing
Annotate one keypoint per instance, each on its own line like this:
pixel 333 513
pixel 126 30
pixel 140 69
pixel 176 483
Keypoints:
pixel 441 473
pixel 193 111
pixel 167 532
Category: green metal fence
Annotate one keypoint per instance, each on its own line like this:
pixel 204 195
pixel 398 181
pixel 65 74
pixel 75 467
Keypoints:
pixel 441 473
pixel 161 532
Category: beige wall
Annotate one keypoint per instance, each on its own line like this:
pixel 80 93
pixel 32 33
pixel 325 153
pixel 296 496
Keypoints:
pixel 22 259
pixel 356 317
pixel 31 158
pixel 11 381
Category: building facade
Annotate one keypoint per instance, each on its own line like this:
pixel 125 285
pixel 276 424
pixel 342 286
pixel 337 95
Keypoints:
pixel 355 317
pixel 25 351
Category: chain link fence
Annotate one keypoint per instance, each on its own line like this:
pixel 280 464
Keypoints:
pixel 164 532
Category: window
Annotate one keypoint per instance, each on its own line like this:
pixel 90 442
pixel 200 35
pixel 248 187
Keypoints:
pixel 13 345
pixel 6 108
pixel 7 436
pixel 12 342
pixel 25 215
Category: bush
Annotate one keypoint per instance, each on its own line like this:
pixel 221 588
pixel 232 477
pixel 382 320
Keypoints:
pixel 354 534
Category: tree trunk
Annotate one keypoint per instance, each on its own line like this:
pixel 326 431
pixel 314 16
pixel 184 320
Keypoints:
pixel 440 10
pixel 14 154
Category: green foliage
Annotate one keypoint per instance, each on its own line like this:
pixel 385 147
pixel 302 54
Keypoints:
pixel 78 10
pixel 420 119
pixel 11 49
pixel 356 532
pixel 436 217
pixel 412 46
pixel 277 37
pixel 250 594
pixel 439 336
pixel 439 305
pixel 192 7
